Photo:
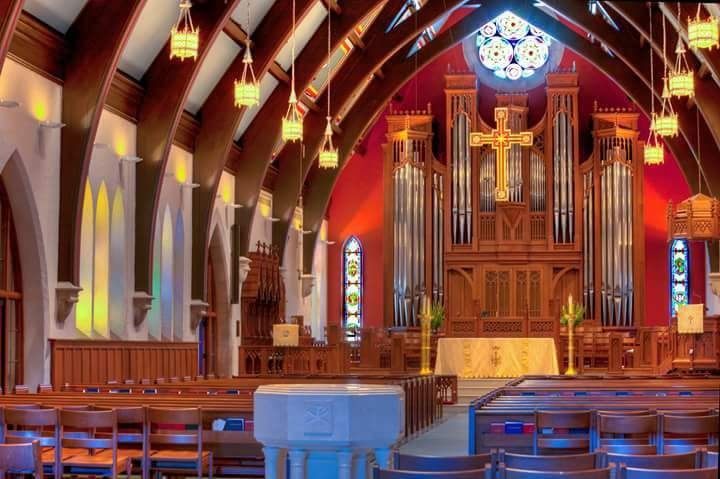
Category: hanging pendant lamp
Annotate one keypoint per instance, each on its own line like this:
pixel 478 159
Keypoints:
pixel 665 123
pixel 247 90
pixel 681 79
pixel 328 157
pixel 292 122
pixel 703 33
pixel 653 153
pixel 184 36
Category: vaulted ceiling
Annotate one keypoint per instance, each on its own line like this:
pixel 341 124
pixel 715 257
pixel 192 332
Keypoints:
pixel 115 55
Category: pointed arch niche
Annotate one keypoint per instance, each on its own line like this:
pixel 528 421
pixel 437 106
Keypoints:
pixel 167 275
pixel 101 275
pixel 84 307
pixel 118 266
pixel 179 276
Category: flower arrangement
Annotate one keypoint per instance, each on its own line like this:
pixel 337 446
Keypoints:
pixel 577 315
pixel 437 316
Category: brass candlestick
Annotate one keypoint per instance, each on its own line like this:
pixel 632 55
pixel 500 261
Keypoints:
pixel 425 337
pixel 570 371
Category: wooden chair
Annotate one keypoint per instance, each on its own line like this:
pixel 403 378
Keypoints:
pixel 99 451
pixel 628 434
pixel 690 460
pixel 546 437
pixel 21 459
pixel 407 462
pixel 177 452
pixel 132 437
pixel 484 473
pixel 633 473
pixel 509 473
pixel 687 433
pixel 710 459
pixel 570 462
pixel 44 388
pixel 35 424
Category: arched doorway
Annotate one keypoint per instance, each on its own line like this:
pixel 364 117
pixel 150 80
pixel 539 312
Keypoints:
pixel 11 318
pixel 207 331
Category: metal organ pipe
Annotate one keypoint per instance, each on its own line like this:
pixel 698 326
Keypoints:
pixel 563 170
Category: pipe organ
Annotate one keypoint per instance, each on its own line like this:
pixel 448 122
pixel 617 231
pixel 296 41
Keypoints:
pixel 504 260
pixel 414 186
pixel 613 220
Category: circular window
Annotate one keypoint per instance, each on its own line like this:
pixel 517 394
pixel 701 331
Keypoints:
pixel 507 51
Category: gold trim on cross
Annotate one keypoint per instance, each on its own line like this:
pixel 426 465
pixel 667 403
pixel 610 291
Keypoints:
pixel 501 139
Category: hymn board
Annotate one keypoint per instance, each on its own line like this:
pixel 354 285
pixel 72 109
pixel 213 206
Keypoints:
pixel 509 220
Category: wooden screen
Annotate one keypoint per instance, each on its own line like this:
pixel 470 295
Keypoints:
pixel 97 362
pixel 11 307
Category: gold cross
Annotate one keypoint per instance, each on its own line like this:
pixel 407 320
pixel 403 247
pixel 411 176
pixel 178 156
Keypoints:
pixel 496 359
pixel 501 139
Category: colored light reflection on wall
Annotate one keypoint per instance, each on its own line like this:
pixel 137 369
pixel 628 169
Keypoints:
pixel 120 145
pixel 166 282
pixel 39 110
pixel 225 192
pixel 181 173
pixel 83 309
pixel 117 266
pixel 101 280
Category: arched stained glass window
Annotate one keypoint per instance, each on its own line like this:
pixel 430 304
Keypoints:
pixel 679 275
pixel 352 283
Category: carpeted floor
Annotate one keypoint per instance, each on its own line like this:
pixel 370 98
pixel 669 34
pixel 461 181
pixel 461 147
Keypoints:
pixel 449 438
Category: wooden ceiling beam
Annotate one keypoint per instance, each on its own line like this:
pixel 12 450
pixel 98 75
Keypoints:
pixel 381 45
pixel 215 144
pixel 98 37
pixel 638 61
pixel 281 75
pixel 236 32
pixel 167 86
pixel 357 40
pixel 9 15
pixel 262 134
pixel 398 70
pixel 332 5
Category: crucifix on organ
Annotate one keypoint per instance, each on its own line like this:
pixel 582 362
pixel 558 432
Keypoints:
pixel 501 223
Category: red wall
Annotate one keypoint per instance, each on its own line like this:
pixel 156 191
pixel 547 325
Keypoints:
pixel 356 206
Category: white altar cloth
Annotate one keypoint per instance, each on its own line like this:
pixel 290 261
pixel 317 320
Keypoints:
pixel 496 357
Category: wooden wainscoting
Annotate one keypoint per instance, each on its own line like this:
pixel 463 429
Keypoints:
pixel 97 362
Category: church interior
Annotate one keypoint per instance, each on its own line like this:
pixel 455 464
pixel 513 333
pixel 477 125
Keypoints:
pixel 358 239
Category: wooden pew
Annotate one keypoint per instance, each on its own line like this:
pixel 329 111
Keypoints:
pixel 518 401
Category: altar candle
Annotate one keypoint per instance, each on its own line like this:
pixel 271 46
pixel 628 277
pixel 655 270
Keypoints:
pixel 571 305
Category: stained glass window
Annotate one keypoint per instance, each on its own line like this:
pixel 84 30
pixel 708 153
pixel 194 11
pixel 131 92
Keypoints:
pixel 352 283
pixel 511 47
pixel 679 275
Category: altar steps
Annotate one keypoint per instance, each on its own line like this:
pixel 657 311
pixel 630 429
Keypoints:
pixel 471 389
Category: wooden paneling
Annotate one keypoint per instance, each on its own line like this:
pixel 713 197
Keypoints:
pixel 39 48
pixel 96 362
pixel 9 13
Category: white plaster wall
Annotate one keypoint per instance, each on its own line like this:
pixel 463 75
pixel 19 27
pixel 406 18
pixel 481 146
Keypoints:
pixel 712 300
pixel 292 264
pixel 318 298
pixel 261 228
pixel 38 150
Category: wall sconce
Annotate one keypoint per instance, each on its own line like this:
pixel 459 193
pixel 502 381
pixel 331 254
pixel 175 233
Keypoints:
pixel 272 219
pixel 101 146
pixel 130 159
pixel 192 186
pixel 9 104
pixel 51 125
pixel 307 232
pixel 329 243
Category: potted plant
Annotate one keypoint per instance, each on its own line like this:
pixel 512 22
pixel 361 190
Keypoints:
pixel 437 317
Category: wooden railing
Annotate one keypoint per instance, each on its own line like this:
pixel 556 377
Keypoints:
pixel 88 361
pixel 271 360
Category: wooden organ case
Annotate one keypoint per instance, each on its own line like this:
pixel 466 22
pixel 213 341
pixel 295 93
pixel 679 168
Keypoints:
pixel 414 187
pixel 263 296
pixel 510 265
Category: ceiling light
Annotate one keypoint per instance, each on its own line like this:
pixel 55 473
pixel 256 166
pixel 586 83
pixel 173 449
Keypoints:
pixel 184 36
pixel 703 33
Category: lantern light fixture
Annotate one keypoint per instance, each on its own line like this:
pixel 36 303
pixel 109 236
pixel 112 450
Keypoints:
pixel 703 33
pixel 184 36
pixel 681 80
pixel 328 157
pixel 664 123
pixel 292 122
pixel 247 90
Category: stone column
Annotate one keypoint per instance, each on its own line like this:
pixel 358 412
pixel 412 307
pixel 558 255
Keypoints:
pixel 272 462
pixel 297 463
pixel 236 314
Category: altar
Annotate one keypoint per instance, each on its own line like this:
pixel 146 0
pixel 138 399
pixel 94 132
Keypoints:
pixel 496 357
